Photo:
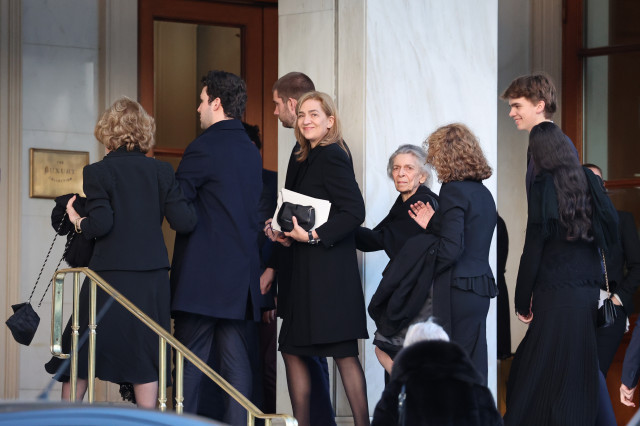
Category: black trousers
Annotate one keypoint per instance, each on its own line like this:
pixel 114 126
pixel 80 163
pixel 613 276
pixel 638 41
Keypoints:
pixel 224 343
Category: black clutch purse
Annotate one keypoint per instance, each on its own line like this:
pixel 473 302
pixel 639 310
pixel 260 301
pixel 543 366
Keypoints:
pixel 305 215
pixel 607 312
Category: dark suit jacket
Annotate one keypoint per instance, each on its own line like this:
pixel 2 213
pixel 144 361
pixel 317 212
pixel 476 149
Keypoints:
pixel 128 195
pixel 464 224
pixel 215 269
pixel 623 263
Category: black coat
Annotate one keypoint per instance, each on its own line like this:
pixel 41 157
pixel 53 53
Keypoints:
pixel 128 195
pixel 216 268
pixel 397 227
pixel 464 224
pixel 405 285
pixel 625 256
pixel 325 294
pixel 441 386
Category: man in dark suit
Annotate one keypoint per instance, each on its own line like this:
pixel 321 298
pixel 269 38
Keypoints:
pixel 215 275
pixel 286 92
pixel 623 256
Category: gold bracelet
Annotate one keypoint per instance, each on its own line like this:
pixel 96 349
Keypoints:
pixel 76 224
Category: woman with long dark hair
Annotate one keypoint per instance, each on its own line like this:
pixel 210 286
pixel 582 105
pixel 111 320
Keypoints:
pixel 554 376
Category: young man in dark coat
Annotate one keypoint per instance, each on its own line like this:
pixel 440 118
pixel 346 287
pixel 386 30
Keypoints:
pixel 215 276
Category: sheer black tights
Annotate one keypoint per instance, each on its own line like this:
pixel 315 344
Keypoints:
pixel 299 383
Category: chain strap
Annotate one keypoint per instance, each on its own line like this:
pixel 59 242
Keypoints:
pixel 606 277
pixel 66 249
pixel 47 258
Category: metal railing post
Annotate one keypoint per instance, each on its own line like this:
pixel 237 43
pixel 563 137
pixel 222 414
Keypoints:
pixel 74 339
pixel 162 375
pixel 92 340
pixel 179 384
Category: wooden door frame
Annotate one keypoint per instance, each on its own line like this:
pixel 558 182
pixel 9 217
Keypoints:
pixel 257 21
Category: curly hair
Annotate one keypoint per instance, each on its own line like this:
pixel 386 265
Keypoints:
pixel 535 88
pixel 334 135
pixel 126 123
pixel 231 90
pixel 551 152
pixel 455 154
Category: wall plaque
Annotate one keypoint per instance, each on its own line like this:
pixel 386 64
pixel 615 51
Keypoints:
pixel 55 172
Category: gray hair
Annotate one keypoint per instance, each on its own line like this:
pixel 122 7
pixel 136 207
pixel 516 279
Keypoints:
pixel 427 330
pixel 421 158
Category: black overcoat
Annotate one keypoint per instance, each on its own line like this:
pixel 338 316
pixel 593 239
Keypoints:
pixel 216 268
pixel 325 303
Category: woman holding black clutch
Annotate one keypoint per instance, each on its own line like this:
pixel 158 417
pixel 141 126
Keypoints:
pixel 324 313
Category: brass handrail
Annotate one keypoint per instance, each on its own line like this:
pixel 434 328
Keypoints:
pixel 164 336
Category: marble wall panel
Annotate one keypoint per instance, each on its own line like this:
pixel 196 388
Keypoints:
pixel 60 88
pixel 428 64
pixel 304 6
pixel 305 44
pixel 60 22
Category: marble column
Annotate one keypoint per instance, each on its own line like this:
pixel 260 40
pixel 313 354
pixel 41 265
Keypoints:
pixel 397 70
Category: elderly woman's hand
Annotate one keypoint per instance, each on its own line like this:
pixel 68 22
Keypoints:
pixel 421 213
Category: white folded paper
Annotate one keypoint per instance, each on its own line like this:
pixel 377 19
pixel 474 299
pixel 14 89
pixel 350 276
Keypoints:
pixel 321 206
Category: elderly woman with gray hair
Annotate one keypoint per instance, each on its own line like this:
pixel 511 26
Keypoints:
pixel 410 174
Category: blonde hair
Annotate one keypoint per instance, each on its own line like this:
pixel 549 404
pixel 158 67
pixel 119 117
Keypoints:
pixel 334 135
pixel 455 153
pixel 126 123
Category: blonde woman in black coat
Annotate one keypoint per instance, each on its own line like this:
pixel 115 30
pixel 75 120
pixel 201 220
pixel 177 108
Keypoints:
pixel 128 196
pixel 324 313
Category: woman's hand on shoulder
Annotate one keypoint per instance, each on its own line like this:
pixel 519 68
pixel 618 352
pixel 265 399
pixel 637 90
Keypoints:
pixel 421 213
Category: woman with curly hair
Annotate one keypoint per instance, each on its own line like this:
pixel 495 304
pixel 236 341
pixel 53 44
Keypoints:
pixel 554 375
pixel 128 196
pixel 464 225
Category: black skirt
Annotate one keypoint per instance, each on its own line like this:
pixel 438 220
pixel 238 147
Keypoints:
pixel 126 349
